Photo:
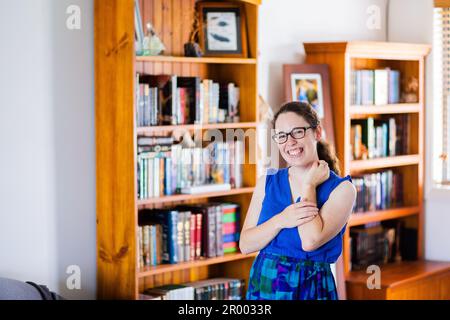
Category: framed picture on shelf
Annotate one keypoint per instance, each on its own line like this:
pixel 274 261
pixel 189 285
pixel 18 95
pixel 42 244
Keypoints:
pixel 222 29
pixel 310 83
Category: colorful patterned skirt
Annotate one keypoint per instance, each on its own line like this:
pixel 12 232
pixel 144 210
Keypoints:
pixel 276 277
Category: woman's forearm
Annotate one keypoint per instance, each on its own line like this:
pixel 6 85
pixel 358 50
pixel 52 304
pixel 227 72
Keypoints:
pixel 256 238
pixel 310 232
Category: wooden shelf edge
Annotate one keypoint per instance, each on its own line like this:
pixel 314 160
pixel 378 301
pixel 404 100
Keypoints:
pixel 399 108
pixel 183 197
pixel 398 273
pixel 150 271
pixel 357 219
pixel 190 127
pixel 214 60
pixel 385 162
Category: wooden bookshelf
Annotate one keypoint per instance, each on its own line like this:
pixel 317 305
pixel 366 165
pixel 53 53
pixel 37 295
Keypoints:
pixel 118 274
pixel 342 58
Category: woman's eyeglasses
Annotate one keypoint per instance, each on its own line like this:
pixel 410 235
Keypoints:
pixel 296 133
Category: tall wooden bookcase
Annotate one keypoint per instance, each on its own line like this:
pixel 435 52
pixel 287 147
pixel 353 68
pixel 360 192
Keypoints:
pixel 342 58
pixel 118 275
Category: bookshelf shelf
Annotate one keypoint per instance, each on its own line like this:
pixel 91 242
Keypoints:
pixel 386 162
pixel 187 197
pixel 399 108
pixel 205 60
pixel 116 65
pixel 361 218
pixel 151 271
pixel 343 59
pixel 192 127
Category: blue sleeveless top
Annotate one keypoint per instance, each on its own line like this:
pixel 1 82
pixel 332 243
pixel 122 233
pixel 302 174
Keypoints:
pixel 287 242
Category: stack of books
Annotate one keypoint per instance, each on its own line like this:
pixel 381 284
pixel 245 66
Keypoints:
pixel 375 138
pixel 378 191
pixel 187 233
pixel 210 289
pixel 172 169
pixel 173 100
pixel 375 87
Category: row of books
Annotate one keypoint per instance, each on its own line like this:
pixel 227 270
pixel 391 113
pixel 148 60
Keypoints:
pixel 187 232
pixel 374 138
pixel 173 100
pixel 378 191
pixel 375 87
pixel 375 244
pixel 210 289
pixel 173 169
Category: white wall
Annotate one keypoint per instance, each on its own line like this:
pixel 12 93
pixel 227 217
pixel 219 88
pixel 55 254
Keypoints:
pixel 47 165
pixel 285 24
pixel 416 26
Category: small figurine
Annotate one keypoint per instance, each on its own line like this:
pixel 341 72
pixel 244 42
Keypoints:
pixel 192 48
pixel 152 45
pixel 410 90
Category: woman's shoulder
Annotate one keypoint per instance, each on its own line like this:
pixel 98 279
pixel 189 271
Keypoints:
pixel 271 177
pixel 334 180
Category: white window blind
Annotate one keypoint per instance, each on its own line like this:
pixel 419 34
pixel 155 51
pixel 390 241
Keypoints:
pixel 441 85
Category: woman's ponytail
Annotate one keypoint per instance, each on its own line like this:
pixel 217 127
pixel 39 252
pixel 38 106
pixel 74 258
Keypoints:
pixel 325 152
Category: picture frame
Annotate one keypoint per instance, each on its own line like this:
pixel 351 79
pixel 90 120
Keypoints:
pixel 222 29
pixel 311 83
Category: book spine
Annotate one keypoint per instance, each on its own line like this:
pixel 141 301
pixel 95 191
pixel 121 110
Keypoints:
pixel 146 241
pixel 187 236
pixel 219 231
pixel 193 240
pixel 180 231
pixel 173 237
pixel 198 235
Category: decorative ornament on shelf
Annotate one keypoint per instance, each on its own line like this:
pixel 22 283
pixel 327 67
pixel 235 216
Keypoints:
pixel 192 48
pixel 152 44
pixel 410 90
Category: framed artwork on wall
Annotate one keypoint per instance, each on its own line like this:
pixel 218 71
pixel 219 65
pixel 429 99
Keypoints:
pixel 310 83
pixel 222 31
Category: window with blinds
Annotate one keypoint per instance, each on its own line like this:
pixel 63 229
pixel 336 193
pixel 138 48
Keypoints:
pixel 441 86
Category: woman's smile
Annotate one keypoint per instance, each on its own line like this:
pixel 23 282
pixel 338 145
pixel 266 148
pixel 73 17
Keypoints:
pixel 295 152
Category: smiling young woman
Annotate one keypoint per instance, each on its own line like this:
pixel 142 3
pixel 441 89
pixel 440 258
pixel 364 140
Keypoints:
pixel 298 214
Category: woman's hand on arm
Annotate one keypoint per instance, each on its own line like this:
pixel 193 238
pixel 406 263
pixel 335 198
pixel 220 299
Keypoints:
pixel 254 238
pixel 334 214
pixel 318 173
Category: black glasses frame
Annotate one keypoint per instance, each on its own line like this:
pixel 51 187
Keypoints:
pixel 274 137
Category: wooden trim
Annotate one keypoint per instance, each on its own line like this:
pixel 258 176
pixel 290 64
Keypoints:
pixel 371 49
pixel 387 162
pixel 442 3
pixel 360 218
pixel 187 197
pixel 163 268
pixel 215 60
pixel 114 123
pixel 385 109
pixel 399 273
pixel 145 131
